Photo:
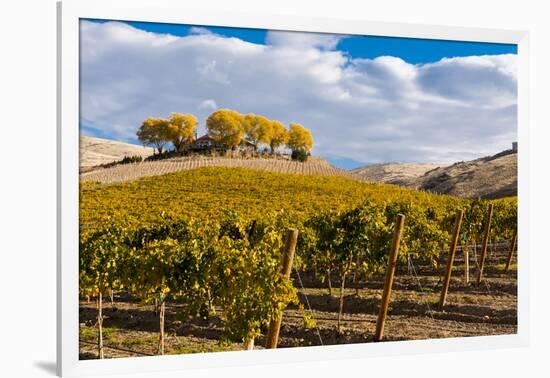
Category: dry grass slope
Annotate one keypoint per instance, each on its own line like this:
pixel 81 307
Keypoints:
pixel 395 173
pixel 489 177
pixel 97 151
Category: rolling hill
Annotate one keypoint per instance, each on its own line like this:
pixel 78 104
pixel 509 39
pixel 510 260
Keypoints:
pixel 489 177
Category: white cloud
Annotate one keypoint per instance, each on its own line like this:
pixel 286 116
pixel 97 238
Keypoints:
pixel 368 110
pixel 208 104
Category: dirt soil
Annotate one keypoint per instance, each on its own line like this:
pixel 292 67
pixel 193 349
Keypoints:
pixel 472 310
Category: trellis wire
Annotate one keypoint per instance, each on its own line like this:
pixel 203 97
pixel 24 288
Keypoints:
pixel 485 280
pixel 308 304
pixel 409 258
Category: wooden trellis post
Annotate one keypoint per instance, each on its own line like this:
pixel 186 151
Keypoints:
pixel 513 246
pixel 100 326
pixel 288 257
pixel 450 260
pixel 466 253
pixel 162 312
pixel 390 272
pixel 486 233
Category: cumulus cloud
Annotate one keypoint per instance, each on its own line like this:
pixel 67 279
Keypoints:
pixel 366 110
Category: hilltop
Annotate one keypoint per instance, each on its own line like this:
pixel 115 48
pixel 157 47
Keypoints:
pixel 96 151
pixel 129 172
pixel 488 177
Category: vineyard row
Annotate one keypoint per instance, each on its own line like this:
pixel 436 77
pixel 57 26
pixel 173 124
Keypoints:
pixel 235 264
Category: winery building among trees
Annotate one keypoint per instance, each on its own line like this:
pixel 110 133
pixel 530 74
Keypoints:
pixel 206 143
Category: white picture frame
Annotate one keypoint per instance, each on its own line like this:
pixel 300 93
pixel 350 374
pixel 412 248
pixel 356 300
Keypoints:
pixel 69 14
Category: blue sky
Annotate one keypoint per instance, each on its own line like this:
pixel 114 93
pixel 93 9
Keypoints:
pixel 378 86
pixel 412 50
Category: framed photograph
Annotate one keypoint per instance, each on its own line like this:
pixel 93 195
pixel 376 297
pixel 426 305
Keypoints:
pixel 251 188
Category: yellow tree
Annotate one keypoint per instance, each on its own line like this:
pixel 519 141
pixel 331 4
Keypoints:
pixel 257 129
pixel 154 132
pixel 299 138
pixel 226 127
pixel 277 135
pixel 181 129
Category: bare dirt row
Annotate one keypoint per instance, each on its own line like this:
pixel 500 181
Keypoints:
pixel 472 310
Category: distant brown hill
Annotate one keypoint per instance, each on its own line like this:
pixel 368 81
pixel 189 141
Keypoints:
pixel 488 177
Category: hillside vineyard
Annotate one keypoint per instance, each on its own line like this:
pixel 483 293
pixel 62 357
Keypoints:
pixel 210 239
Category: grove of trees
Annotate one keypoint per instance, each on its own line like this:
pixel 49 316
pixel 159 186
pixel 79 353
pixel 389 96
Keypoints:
pixel 178 129
pixel 229 129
